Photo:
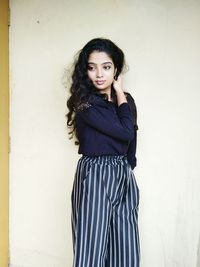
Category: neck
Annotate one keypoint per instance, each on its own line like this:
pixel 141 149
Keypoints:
pixel 108 92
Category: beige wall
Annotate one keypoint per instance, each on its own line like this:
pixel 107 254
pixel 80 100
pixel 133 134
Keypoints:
pixel 161 41
pixel 4 134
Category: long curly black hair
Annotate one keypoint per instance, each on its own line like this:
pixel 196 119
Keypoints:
pixel 82 88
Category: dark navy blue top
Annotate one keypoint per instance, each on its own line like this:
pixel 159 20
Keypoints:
pixel 104 128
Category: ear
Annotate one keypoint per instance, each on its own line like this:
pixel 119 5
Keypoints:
pixel 115 77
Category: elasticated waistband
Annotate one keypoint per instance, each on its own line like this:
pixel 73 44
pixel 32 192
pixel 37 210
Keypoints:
pixel 105 159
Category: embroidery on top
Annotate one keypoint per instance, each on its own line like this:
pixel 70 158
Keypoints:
pixel 82 106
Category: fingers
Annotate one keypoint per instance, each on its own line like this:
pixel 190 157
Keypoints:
pixel 117 82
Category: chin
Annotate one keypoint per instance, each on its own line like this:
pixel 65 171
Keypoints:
pixel 103 86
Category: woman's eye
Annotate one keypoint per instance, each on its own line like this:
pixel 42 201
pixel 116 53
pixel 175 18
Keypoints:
pixel 90 68
pixel 107 67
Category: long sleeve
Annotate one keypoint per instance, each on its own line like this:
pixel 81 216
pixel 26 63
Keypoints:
pixel 104 118
pixel 131 153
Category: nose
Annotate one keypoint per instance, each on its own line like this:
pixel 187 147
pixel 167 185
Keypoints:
pixel 99 73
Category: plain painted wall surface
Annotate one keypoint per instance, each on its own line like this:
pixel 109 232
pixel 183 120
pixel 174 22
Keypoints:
pixel 161 42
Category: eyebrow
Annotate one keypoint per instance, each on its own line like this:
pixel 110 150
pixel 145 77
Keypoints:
pixel 101 64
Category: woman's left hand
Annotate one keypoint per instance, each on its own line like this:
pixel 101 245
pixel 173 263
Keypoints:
pixel 117 84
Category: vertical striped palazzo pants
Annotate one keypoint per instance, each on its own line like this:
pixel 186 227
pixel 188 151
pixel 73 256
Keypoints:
pixel 104 217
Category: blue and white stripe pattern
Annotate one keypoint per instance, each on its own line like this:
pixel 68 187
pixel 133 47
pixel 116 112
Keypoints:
pixel 105 200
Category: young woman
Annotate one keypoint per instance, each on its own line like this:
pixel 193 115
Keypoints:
pixel 105 195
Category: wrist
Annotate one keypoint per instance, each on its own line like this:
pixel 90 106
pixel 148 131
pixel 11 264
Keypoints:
pixel 121 98
pixel 119 91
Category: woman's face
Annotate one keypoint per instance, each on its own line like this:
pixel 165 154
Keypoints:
pixel 101 70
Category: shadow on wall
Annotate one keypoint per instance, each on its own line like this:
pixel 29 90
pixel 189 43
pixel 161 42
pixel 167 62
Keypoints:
pixel 198 253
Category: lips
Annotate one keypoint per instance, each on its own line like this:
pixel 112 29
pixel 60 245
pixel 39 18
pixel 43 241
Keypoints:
pixel 100 82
